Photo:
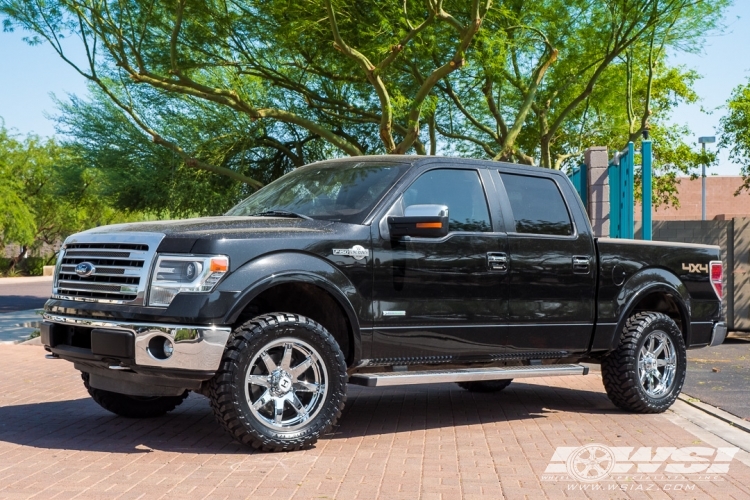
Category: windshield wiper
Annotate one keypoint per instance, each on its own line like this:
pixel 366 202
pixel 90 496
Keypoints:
pixel 280 213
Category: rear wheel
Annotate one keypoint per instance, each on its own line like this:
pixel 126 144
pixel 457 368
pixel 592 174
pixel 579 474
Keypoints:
pixel 133 406
pixel 646 372
pixel 485 385
pixel 281 383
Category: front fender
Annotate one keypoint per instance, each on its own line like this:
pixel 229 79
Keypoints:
pixel 615 310
pixel 269 270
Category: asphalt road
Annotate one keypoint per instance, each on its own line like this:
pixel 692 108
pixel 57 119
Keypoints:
pixel 23 296
pixel 720 376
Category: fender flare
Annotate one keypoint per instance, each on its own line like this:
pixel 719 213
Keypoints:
pixel 644 283
pixel 266 271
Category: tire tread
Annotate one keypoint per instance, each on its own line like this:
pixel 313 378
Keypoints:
pixel 221 387
pixel 618 374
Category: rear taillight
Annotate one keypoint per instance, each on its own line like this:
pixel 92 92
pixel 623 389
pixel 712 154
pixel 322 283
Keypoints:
pixel 716 272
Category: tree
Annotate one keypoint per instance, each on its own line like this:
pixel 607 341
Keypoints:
pixel 17 221
pixel 46 196
pixel 563 70
pixel 509 81
pixel 136 174
pixel 735 131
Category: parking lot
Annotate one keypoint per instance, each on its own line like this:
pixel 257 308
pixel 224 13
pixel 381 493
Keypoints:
pixel 419 442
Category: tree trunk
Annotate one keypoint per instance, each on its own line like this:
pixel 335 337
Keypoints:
pixel 15 260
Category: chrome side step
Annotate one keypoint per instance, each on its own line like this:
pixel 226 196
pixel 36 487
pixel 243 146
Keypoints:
pixel 384 379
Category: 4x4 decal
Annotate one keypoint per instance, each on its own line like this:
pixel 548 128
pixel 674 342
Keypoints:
pixel 695 268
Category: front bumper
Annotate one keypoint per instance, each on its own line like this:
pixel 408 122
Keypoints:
pixel 718 334
pixel 126 344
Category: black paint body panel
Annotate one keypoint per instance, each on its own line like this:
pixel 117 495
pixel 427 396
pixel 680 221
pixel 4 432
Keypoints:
pixel 455 306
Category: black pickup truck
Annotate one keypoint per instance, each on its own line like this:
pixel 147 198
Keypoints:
pixel 377 271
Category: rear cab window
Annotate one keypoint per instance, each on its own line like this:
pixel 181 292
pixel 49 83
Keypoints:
pixel 537 204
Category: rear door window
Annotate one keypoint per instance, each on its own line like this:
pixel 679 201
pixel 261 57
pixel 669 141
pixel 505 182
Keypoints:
pixel 537 204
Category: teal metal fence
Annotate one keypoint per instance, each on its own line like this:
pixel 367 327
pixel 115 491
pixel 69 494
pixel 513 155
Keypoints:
pixel 621 196
pixel 622 190
pixel 647 199
pixel 580 179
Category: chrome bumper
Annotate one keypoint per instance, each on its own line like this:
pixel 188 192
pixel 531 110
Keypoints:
pixel 719 334
pixel 195 347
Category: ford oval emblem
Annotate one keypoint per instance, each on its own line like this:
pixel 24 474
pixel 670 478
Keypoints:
pixel 85 269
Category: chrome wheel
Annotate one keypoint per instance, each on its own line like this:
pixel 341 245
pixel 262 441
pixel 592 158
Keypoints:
pixel 286 384
pixel 657 364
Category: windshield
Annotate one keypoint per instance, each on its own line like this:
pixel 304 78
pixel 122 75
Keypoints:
pixel 340 191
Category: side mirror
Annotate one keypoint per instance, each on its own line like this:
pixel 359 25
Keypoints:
pixel 420 221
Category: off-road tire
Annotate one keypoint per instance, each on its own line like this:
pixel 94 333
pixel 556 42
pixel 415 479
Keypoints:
pixel 227 391
pixel 485 386
pixel 133 406
pixel 620 367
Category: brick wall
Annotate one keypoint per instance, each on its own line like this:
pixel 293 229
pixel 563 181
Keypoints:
pixel 720 200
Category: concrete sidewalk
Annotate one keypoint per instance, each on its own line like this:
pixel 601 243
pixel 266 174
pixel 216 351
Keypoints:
pixel 17 326
pixel 417 442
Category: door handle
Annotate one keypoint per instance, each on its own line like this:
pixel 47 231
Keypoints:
pixel 497 261
pixel 581 264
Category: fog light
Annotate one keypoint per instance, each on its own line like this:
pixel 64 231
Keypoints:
pixel 168 348
pixel 160 347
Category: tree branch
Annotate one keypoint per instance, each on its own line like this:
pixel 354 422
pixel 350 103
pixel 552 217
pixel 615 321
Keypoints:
pixel 438 74
pixel 371 73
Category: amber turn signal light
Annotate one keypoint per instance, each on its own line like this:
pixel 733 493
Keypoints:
pixel 219 265
pixel 429 225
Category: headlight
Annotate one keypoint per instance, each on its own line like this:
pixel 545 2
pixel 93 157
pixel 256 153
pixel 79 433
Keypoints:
pixel 184 273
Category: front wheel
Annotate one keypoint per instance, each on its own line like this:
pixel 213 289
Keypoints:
pixel 281 383
pixel 646 372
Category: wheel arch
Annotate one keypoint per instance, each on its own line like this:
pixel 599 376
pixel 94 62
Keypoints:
pixel 655 290
pixel 302 284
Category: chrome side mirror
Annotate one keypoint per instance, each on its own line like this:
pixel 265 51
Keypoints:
pixel 421 221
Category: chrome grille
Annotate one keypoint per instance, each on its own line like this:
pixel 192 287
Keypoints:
pixel 121 267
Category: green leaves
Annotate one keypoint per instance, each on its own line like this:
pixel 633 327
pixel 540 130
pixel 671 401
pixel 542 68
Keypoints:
pixel 46 193
pixel 249 89
pixel 18 165
pixel 735 131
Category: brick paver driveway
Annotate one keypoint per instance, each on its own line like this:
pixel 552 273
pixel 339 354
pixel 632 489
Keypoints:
pixel 422 442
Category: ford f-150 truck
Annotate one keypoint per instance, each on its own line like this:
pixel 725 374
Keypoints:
pixel 378 271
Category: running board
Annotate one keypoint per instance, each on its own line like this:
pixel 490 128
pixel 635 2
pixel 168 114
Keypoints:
pixel 384 379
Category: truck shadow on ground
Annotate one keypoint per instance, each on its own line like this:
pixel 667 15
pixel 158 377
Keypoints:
pixel 81 424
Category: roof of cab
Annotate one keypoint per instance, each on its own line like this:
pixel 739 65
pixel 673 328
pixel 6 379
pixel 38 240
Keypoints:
pixel 416 160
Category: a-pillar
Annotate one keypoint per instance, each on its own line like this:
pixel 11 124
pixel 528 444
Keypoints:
pixel 597 163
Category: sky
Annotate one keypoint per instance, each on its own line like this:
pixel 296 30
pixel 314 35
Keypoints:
pixel 28 75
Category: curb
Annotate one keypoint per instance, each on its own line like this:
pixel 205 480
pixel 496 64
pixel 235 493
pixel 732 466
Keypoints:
pixel 716 412
pixel 696 403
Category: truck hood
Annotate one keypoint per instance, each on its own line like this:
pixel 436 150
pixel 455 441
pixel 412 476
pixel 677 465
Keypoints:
pixel 225 227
